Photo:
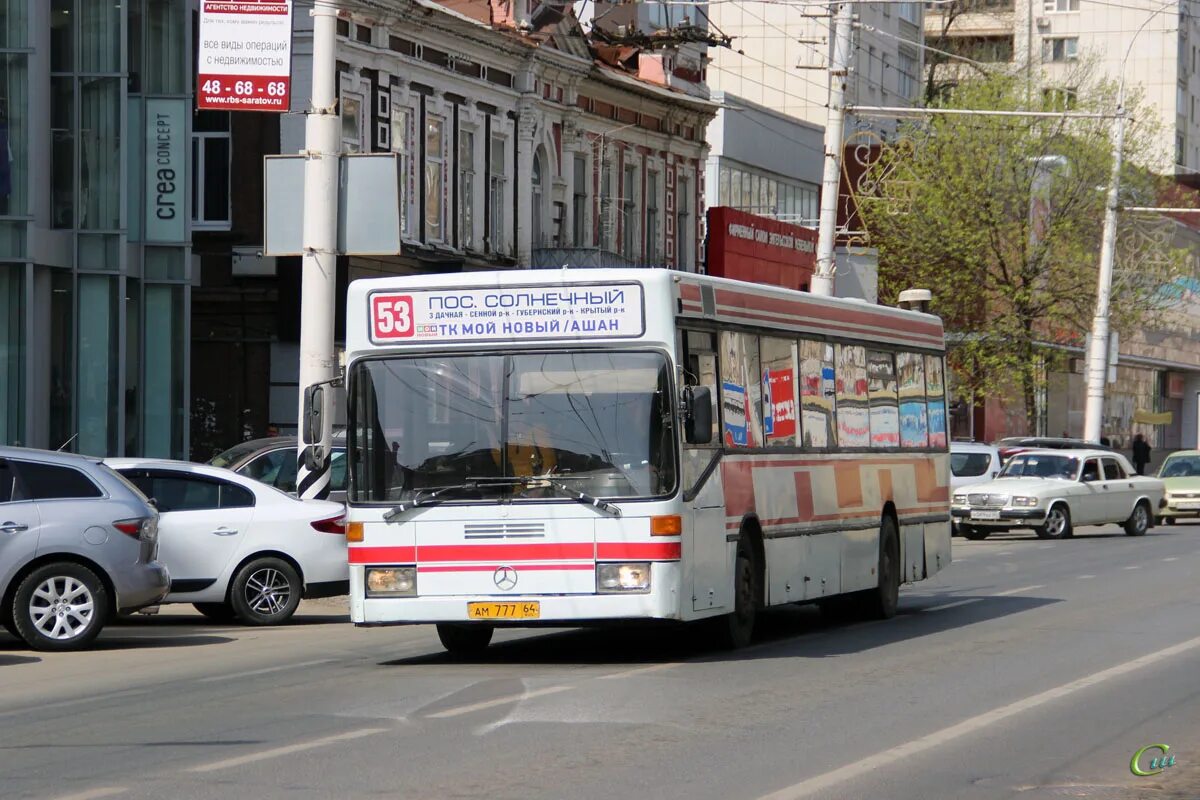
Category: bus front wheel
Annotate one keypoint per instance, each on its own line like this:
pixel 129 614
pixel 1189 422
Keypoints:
pixel 464 640
pixel 737 629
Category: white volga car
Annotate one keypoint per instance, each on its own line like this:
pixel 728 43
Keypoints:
pixel 1052 491
pixel 237 548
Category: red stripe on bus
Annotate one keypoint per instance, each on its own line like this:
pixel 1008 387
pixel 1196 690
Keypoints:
pixel 492 567
pixel 635 551
pixel 383 555
pixel 557 551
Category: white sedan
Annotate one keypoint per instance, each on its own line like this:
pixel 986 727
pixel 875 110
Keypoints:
pixel 1051 491
pixel 237 548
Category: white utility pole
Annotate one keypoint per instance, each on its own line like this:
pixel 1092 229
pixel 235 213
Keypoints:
pixel 839 68
pixel 1097 357
pixel 318 287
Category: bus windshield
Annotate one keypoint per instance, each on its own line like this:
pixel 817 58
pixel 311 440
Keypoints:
pixel 596 422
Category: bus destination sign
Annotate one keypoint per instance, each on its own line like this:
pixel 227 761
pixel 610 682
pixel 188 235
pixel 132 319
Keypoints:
pixel 604 311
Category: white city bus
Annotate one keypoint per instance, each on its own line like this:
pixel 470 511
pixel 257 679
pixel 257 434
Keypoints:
pixel 588 446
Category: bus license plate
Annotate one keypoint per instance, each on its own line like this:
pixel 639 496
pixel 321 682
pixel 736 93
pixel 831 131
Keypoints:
pixel 985 515
pixel 504 610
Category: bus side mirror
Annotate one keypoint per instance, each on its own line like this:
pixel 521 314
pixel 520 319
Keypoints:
pixel 697 425
pixel 314 413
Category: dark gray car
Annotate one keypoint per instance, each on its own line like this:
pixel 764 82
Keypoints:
pixel 78 545
pixel 273 461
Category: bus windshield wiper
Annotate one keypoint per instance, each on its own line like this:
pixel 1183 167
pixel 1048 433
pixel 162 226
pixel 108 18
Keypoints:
pixel 426 497
pixel 539 481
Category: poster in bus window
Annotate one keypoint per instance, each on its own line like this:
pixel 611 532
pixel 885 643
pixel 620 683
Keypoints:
pixel 816 407
pixel 733 411
pixel 854 429
pixel 881 390
pixel 779 416
pixel 935 392
pixel 910 374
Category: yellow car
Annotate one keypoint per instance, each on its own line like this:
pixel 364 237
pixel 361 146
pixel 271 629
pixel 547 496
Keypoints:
pixel 1180 474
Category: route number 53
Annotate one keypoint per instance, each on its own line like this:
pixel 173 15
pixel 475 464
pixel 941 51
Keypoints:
pixel 392 316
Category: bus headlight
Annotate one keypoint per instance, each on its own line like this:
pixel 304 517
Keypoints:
pixel 617 578
pixel 391 581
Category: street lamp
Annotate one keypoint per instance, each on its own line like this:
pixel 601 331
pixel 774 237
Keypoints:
pixel 1097 356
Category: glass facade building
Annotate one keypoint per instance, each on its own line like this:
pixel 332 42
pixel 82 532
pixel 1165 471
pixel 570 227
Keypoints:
pixel 95 224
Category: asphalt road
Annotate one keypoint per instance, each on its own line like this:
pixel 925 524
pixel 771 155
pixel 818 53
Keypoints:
pixel 1029 669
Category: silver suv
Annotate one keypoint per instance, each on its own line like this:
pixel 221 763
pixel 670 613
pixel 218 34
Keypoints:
pixel 77 546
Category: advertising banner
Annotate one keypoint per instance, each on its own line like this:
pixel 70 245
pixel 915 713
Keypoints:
pixel 245 55
pixel 522 312
pixel 733 408
pixel 166 170
pixel 779 387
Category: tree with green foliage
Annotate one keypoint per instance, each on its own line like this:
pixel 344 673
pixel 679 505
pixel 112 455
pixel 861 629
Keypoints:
pixel 1001 217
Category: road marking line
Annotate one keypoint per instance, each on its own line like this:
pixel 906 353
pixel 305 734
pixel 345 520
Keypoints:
pixel 1004 553
pixel 955 604
pixel 499 701
pixel 281 668
pixel 1045 547
pixel 968 726
pixel 95 794
pixel 77 701
pixel 299 747
pixel 1172 558
pixel 1008 592
pixel 1133 566
pixel 637 671
pixel 1083 577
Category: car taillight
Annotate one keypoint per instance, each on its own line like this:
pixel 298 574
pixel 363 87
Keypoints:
pixel 145 528
pixel 331 525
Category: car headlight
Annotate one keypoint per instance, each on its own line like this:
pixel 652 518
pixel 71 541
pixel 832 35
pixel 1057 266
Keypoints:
pixel 391 581
pixel 618 578
pixel 959 500
pixel 1024 502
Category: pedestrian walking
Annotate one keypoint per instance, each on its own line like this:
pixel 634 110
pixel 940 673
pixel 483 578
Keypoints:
pixel 1141 454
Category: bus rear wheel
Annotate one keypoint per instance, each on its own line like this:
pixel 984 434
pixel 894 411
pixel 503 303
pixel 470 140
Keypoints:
pixel 464 640
pixel 882 601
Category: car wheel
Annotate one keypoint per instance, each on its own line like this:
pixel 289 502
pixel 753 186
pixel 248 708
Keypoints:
pixel 60 607
pixel 1138 522
pixel 736 630
pixel 6 620
pixel 1058 523
pixel 266 592
pixel 465 641
pixel 974 532
pixel 218 612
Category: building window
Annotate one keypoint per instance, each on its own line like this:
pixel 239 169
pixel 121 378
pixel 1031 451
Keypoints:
pixel 579 202
pixel 1055 6
pixel 496 198
pixel 683 224
pixel 906 83
pixel 1180 148
pixel 911 12
pixel 165 69
pixel 14 136
pixel 1059 99
pixel 466 189
pixel 536 209
pixel 1060 48
pixel 402 144
pixel 12 354
pixel 210 170
pixel 652 218
pixel 100 153
pixel 434 166
pixel 351 106
pixel 629 213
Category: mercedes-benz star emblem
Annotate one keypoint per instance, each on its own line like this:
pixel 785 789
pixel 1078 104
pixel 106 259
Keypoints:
pixel 505 578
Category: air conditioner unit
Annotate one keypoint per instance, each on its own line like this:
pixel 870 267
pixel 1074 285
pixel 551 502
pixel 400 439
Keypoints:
pixel 1042 22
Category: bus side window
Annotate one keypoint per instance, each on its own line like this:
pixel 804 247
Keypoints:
pixel 700 363
pixel 914 425
pixel 741 390
pixel 817 394
pixel 935 400
pixel 881 388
